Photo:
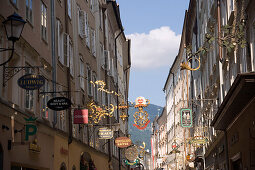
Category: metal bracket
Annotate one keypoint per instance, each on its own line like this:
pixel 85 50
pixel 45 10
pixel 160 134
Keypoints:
pixel 9 72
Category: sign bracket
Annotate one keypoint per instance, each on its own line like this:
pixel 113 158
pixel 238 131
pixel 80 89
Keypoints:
pixel 9 72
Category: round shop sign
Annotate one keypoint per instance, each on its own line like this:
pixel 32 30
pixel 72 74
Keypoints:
pixel 59 103
pixel 131 153
pixel 31 81
pixel 123 142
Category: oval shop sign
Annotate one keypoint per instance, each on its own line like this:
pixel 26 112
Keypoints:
pixel 31 81
pixel 59 103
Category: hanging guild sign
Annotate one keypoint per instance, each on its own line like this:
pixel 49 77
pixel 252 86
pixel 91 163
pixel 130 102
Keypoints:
pixel 80 116
pixel 186 118
pixel 198 140
pixel 123 142
pixel 141 117
pixel 30 127
pixel 131 163
pixel 105 133
pixel 190 157
pixel 31 81
pixel 131 153
pixel 59 103
pixel 141 102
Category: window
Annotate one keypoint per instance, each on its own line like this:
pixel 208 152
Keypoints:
pixel 45 99
pixel 63 166
pixel 68 53
pixel 14 2
pixel 102 55
pixel 82 75
pixel 87 34
pixel 69 8
pixel 92 3
pixel 29 10
pixel 29 94
pixel 91 135
pixel 252 45
pixel 89 85
pixel 44 21
pixel 101 18
pixel 232 5
pixel 120 58
pixel 81 23
pixel 59 39
pixel 94 79
pixel 66 49
pixel 243 63
pixel 93 42
pixel 62 119
pixel 71 59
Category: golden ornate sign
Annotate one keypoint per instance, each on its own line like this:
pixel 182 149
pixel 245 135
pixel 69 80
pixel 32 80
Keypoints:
pixel 97 113
pixel 141 117
pixel 101 87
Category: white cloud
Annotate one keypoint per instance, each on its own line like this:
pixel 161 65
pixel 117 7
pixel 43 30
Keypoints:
pixel 153 50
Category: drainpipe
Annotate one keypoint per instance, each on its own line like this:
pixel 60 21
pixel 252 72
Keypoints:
pixel 53 53
pixel 219 28
pixel 116 63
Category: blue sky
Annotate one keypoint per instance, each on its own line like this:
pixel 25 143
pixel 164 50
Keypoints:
pixel 154 27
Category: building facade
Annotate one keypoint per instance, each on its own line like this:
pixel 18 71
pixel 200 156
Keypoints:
pixel 218 61
pixel 72 44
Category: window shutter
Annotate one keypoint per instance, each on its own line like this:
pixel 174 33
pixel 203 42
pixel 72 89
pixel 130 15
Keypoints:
pixel 81 23
pixel 58 38
pixel 67 49
pixel 86 29
pixel 112 68
pixel 71 61
pixel 69 7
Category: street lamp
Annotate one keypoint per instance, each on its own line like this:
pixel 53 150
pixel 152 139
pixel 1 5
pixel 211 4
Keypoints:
pixel 13 25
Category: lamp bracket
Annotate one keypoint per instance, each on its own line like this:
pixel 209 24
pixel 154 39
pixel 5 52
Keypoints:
pixel 6 49
pixel 9 72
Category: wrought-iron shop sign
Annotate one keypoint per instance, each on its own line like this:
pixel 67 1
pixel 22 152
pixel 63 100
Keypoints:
pixel 31 81
pixel 186 118
pixel 59 103
pixel 105 133
pixel 123 142
pixel 80 116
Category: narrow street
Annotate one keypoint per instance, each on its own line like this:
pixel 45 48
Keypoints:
pixel 174 90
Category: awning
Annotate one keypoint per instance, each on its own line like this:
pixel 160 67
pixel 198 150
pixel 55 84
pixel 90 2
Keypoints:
pixel 239 95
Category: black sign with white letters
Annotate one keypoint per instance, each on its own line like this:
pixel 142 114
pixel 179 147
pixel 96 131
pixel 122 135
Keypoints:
pixel 59 103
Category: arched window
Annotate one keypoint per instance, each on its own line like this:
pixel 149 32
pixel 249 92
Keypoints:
pixel 63 166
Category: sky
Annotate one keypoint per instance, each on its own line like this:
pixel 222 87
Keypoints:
pixel 154 27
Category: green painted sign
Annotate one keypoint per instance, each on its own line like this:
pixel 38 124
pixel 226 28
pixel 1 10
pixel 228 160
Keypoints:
pixel 30 127
pixel 186 118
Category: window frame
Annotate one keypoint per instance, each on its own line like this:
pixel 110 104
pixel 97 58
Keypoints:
pixel 44 24
pixel 29 11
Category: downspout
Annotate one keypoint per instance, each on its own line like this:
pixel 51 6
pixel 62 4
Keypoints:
pixel 106 98
pixel 220 73
pixel 70 126
pixel 116 63
pixel 53 57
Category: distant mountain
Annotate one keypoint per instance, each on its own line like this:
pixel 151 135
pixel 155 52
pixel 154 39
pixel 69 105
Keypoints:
pixel 139 136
